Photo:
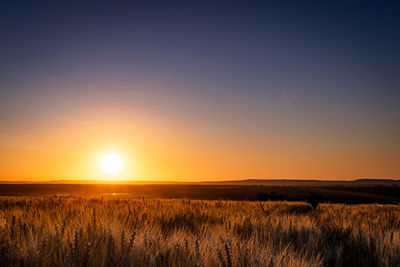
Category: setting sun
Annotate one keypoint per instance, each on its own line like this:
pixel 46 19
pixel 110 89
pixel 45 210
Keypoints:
pixel 111 163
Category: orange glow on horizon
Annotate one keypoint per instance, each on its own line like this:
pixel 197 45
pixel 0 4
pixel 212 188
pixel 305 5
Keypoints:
pixel 157 145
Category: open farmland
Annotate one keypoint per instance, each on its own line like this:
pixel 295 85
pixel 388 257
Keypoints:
pixel 85 231
pixel 350 192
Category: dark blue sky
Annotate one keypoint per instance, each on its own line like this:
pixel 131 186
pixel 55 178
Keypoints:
pixel 326 72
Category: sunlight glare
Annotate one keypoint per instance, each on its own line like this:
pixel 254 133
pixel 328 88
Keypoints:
pixel 111 163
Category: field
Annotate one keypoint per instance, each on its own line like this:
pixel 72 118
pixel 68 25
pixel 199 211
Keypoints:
pixel 350 192
pixel 107 231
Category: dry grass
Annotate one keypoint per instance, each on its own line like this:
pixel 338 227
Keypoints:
pixel 50 231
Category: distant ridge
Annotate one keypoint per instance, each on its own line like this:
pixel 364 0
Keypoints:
pixel 265 182
pixel 311 182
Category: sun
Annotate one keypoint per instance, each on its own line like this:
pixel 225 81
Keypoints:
pixel 111 163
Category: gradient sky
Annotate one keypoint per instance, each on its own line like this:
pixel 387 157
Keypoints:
pixel 200 90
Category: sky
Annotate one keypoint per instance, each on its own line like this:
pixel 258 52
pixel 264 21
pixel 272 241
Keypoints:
pixel 199 90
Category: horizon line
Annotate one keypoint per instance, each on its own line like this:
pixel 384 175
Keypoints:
pixel 92 181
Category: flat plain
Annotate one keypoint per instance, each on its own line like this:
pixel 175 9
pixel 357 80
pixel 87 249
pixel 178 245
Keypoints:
pixel 349 192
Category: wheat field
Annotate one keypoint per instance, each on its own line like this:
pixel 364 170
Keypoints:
pixel 89 231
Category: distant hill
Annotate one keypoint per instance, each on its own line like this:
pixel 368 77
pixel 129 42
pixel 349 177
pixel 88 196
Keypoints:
pixel 264 182
pixel 293 182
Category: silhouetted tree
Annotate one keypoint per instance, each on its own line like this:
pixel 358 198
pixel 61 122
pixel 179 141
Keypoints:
pixel 314 199
pixel 269 196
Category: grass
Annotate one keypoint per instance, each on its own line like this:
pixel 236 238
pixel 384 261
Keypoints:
pixel 84 231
